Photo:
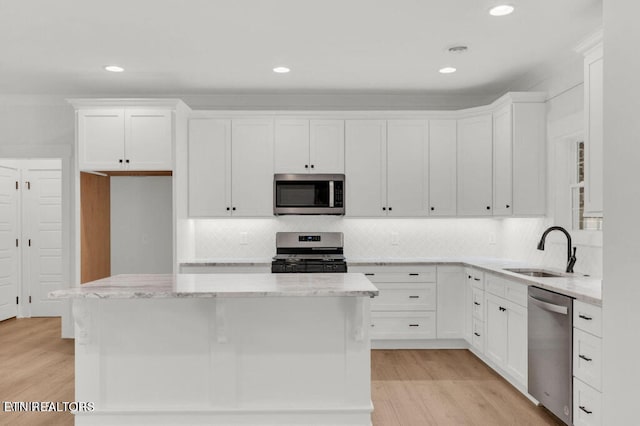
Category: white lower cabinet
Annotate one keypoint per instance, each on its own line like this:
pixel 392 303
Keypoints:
pixel 403 325
pixel 506 327
pixel 587 364
pixel 450 302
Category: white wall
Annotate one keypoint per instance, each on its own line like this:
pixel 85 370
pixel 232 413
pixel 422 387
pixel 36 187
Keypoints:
pixel 621 286
pixel 141 225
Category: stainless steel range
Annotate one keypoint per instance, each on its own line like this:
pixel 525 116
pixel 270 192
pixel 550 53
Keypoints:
pixel 309 252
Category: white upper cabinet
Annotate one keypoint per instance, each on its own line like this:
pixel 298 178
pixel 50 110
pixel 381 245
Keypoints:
pixel 593 137
pixel 309 146
pixel 366 167
pixel 442 167
pixel 130 138
pixel 291 146
pixel 209 167
pixel 475 169
pixel 326 146
pixel 407 167
pixel 230 167
pixel 502 162
pixel 252 153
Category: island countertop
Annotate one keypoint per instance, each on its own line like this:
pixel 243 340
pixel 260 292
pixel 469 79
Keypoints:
pixel 145 286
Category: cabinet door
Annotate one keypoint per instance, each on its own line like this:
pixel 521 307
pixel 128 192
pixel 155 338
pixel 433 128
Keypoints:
pixel 593 106
pixel 529 158
pixel 407 163
pixel 366 167
pixel 451 292
pixel 101 139
pixel 148 139
pixel 475 166
pixel 252 167
pixel 292 146
pixel 496 335
pixel 442 167
pixel 209 167
pixel 502 162
pixel 517 345
pixel 326 146
pixel 468 308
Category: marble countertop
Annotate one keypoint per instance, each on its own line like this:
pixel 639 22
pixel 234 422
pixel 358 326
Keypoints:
pixel 144 286
pixel 581 287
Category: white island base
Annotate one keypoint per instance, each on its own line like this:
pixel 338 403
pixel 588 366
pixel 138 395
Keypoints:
pixel 301 360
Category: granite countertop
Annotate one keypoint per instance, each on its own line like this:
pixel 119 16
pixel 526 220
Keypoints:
pixel 144 286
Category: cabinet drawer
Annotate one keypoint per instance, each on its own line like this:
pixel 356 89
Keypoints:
pixel 587 318
pixel 475 277
pixel 587 358
pixel 496 285
pixel 402 277
pixel 477 335
pixel 405 297
pixel 403 325
pixel 587 405
pixel 516 292
pixel 477 303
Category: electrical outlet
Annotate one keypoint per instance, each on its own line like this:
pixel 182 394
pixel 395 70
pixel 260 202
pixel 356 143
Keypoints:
pixel 244 239
pixel 395 239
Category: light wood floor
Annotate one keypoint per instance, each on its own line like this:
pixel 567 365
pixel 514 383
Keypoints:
pixel 409 387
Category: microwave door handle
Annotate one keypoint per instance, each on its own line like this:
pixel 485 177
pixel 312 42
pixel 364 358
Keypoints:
pixel 331 200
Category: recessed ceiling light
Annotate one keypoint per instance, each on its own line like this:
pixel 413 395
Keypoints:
pixel 501 10
pixel 281 70
pixel 447 70
pixel 113 68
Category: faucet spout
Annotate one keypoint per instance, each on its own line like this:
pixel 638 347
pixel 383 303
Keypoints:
pixel 571 257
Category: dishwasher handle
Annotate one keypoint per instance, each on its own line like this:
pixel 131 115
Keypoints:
pixel 558 309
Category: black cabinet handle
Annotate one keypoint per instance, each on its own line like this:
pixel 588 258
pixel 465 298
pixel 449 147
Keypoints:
pixel 433 208
pixel 502 309
pixel 413 275
pixel 468 276
pixel 120 161
pixel 414 297
pixel 414 325
pixel 369 274
pixel 488 207
pixel 584 317
pixel 384 208
pixel 390 208
pixel 508 206
pixel 477 279
pixel 476 303
pixel 583 408
pixel 476 334
pixel 233 208
pixel 313 166
pixel 585 358
pixel 306 166
pixel 228 209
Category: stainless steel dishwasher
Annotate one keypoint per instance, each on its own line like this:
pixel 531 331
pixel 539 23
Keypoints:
pixel 550 334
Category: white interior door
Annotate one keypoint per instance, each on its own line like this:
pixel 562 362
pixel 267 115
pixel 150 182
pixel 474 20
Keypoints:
pixel 9 230
pixel 42 236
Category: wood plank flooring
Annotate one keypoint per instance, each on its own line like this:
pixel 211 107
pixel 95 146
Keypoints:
pixel 409 387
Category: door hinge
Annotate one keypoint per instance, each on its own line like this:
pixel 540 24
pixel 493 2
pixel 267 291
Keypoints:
pixel 29 299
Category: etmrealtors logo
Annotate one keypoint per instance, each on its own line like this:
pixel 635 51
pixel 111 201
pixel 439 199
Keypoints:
pixel 47 406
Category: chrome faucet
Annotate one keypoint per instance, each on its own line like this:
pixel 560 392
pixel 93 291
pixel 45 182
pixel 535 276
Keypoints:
pixel 571 258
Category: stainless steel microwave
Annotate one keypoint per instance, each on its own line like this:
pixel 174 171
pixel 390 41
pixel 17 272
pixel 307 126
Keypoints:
pixel 308 194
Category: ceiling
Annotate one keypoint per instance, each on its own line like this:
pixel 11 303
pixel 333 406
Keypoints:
pixel 171 47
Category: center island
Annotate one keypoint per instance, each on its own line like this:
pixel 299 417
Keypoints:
pixel 223 349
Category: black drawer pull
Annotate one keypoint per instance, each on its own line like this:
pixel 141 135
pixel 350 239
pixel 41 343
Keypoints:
pixel 414 325
pixel 369 274
pixel 476 303
pixel 585 358
pixel 583 408
pixel 476 334
pixel 414 297
pixel 584 317
pixel 477 279
pixel 413 275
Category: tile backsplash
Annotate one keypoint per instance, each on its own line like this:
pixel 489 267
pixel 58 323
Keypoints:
pixel 396 238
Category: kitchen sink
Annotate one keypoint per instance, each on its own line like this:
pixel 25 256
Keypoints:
pixel 534 272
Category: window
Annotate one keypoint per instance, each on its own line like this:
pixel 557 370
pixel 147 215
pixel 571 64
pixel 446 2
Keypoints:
pixel 578 220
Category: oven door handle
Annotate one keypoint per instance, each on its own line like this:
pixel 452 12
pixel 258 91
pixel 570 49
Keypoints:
pixel 549 306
